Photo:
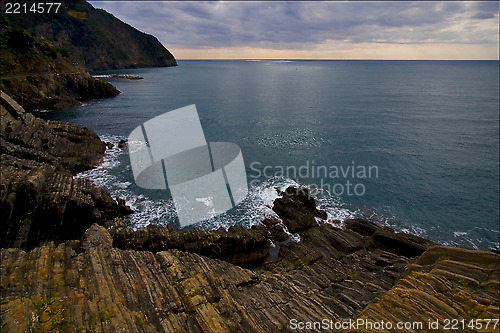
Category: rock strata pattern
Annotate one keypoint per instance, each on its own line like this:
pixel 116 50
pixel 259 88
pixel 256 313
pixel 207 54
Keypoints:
pixel 157 287
pixel 238 245
pixel 443 284
pixel 40 200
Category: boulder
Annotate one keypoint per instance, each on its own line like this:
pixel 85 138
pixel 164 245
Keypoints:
pixel 297 209
pixel 96 236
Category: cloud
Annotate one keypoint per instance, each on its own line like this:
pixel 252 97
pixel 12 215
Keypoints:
pixel 307 25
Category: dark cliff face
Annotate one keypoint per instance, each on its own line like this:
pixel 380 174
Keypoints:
pixel 40 200
pixel 94 38
pixel 39 75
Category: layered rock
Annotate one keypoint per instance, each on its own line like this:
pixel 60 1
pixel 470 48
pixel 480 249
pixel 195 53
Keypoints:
pixel 148 281
pixel 39 75
pixel 68 263
pixel 238 245
pixel 40 200
pixel 442 285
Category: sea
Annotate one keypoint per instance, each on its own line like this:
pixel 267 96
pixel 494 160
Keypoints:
pixel 409 144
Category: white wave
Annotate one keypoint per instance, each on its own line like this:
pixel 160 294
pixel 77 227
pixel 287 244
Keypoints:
pixel 115 175
pixel 208 201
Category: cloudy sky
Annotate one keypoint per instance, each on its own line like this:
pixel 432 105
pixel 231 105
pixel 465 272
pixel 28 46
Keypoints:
pixel 317 30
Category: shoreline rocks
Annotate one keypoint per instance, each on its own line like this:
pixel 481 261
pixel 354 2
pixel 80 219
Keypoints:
pixel 76 267
pixel 93 284
pixel 239 246
pixel 54 91
pixel 40 200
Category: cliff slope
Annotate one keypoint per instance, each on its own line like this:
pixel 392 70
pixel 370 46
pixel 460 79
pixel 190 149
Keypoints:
pixel 39 75
pixel 94 38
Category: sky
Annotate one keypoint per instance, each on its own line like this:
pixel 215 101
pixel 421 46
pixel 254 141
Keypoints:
pixel 417 30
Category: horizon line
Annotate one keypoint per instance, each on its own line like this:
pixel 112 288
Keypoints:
pixel 333 59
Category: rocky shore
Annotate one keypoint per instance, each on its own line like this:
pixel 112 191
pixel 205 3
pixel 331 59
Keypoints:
pixel 55 91
pixel 40 200
pixel 69 264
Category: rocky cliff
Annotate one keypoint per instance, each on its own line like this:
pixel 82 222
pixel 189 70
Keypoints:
pixel 90 285
pixel 40 199
pixel 45 58
pixel 40 76
pixel 94 38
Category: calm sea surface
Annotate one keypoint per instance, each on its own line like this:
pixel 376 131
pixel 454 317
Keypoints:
pixel 424 132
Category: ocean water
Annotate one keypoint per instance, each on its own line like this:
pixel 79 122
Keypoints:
pixel 421 136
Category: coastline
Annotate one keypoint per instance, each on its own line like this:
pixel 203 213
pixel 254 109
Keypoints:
pixel 103 276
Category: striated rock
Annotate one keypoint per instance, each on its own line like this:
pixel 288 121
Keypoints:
pixel 381 236
pixel 362 226
pixel 444 283
pixel 158 279
pixel 40 200
pixel 111 290
pixel 238 245
pixel 60 144
pixel 337 264
pixel 275 228
pixel 297 209
pixel 405 244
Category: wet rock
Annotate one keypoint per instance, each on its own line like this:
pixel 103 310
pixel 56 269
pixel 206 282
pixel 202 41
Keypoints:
pixel 297 209
pixel 122 144
pixel 387 238
pixel 275 228
pixel 405 244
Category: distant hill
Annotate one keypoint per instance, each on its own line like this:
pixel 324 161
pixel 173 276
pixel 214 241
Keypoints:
pixel 94 38
pixel 44 58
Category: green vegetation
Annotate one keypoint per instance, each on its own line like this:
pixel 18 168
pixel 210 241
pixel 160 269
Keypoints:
pixel 86 36
pixel 17 41
pixel 48 316
pixel 20 50
pixel 105 314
